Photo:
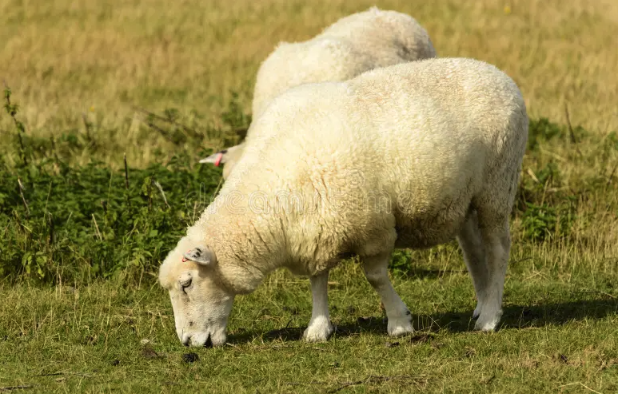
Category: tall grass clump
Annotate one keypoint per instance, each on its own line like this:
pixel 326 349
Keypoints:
pixel 75 223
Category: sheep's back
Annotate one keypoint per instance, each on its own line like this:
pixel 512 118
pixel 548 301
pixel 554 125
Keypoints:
pixel 322 59
pixel 390 37
pixel 352 45
pixel 406 147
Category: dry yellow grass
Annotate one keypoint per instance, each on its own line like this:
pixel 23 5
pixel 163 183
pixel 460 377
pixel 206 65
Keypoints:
pixel 66 57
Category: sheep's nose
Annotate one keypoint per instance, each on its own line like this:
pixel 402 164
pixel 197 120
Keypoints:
pixel 186 339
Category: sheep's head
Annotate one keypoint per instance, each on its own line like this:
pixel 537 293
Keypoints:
pixel 201 303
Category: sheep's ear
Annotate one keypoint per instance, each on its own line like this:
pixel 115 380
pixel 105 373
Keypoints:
pixel 216 158
pixel 201 255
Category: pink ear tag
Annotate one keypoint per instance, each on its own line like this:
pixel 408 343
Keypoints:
pixel 218 161
pixel 184 258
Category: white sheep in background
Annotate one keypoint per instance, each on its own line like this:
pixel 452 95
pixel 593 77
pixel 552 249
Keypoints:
pixel 407 156
pixel 352 45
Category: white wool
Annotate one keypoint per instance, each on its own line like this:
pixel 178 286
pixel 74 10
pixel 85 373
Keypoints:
pixel 349 47
pixel 411 156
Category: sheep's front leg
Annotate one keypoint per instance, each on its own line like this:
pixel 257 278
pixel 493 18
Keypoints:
pixel 319 328
pixel 376 271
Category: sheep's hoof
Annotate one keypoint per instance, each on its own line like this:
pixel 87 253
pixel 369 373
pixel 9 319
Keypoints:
pixel 399 327
pixel 319 330
pixel 488 321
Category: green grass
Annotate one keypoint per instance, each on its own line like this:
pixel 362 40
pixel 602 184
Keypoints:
pixel 66 224
pixel 558 332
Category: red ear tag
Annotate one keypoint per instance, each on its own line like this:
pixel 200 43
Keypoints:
pixel 218 161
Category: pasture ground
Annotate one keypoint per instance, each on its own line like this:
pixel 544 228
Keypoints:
pixel 558 335
pixel 80 246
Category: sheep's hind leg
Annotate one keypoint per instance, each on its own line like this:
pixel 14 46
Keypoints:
pixel 376 272
pixel 471 244
pixel 320 327
pixel 497 243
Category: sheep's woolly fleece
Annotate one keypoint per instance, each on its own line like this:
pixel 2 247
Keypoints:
pixel 411 155
pixel 352 45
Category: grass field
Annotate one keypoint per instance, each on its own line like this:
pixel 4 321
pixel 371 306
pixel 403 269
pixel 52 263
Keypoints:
pixel 65 58
pixel 558 334
pixel 81 238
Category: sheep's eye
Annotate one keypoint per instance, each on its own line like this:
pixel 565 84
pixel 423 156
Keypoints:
pixel 184 285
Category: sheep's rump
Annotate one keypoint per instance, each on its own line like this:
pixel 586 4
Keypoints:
pixel 414 147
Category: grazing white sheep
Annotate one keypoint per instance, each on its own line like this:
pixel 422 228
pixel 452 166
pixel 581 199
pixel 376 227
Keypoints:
pixel 352 45
pixel 407 156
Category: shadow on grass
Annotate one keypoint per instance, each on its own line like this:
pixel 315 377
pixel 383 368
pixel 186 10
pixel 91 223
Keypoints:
pixel 525 316
pixel 514 317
